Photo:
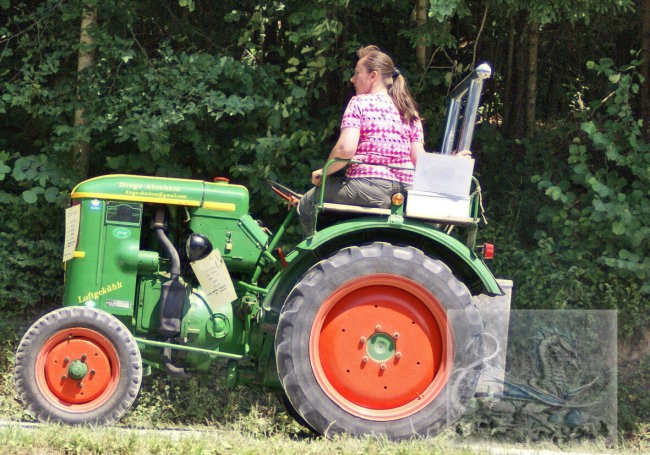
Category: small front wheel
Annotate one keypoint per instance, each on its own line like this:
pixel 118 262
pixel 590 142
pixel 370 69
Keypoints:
pixel 78 365
pixel 379 339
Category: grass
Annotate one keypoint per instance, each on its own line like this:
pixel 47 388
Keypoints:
pixel 54 440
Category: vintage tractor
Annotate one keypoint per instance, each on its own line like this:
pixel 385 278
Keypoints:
pixel 381 322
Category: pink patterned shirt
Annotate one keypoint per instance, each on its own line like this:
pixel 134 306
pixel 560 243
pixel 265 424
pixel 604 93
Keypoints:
pixel 385 138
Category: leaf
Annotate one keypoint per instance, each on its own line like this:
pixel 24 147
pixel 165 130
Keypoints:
pixel 618 228
pixel 588 127
pixel 4 170
pixel 554 192
pixel 615 78
pixel 51 194
pixel 30 197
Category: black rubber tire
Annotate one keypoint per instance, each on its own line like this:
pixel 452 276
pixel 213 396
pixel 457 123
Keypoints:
pixel 301 309
pixel 293 413
pixel 116 343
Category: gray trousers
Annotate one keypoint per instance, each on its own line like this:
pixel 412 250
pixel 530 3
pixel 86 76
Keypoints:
pixel 365 192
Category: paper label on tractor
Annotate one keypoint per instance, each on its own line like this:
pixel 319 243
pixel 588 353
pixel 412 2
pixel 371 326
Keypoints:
pixel 215 279
pixel 72 217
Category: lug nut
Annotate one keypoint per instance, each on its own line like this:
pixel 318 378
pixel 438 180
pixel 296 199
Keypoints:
pixel 364 359
pixel 83 357
pixel 377 328
pixel 398 355
pixel 382 366
pixel 66 360
pixel 64 377
pixel 396 335
pixel 362 340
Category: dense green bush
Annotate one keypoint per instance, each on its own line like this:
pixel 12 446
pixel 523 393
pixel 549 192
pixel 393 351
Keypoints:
pixel 569 209
pixel 32 195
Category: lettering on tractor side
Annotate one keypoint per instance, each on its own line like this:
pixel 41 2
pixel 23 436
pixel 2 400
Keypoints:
pixel 94 295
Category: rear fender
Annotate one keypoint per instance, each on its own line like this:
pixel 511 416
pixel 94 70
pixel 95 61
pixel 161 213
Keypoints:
pixel 463 262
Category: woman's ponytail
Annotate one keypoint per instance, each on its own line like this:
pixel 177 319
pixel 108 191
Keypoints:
pixel 401 95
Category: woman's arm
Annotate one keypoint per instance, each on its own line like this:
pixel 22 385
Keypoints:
pixel 416 148
pixel 345 148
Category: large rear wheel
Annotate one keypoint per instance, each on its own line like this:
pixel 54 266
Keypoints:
pixel 379 339
pixel 78 365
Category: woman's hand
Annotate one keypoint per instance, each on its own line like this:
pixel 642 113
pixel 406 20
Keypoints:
pixel 317 177
pixel 464 153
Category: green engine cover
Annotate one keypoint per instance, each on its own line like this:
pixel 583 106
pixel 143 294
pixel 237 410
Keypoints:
pixel 103 271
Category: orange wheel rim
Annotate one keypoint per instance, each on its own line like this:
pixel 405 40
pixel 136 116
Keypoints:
pixel 380 347
pixel 77 369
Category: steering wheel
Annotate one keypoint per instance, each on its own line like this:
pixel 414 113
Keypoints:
pixel 284 192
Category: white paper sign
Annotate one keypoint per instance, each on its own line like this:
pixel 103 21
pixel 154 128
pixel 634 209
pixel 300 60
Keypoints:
pixel 215 279
pixel 72 217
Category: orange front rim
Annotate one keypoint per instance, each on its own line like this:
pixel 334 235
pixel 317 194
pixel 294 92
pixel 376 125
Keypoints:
pixel 380 347
pixel 77 369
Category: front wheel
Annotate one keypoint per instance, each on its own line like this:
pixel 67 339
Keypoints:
pixel 379 339
pixel 78 365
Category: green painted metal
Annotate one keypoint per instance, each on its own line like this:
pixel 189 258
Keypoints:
pixel 77 369
pixel 450 246
pixel 180 347
pixel 104 271
pixel 239 238
pixel 380 347
pixel 221 196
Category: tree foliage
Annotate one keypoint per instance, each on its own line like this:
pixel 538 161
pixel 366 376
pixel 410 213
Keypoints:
pixel 601 205
pixel 255 89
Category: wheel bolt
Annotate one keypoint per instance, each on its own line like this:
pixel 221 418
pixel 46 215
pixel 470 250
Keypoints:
pixel 362 340
pixel 92 372
pixel 396 335
pixel 66 360
pixel 377 328
pixel 83 357
pixel 81 385
pixel 382 366
pixel 64 377
pixel 398 355
pixel 364 359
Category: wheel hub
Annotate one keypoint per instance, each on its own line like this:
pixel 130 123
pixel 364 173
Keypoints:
pixel 380 347
pixel 77 369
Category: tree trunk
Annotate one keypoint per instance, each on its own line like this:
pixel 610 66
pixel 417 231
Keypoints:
pixel 531 99
pixel 644 102
pixel 86 59
pixel 421 10
pixel 516 123
pixel 507 98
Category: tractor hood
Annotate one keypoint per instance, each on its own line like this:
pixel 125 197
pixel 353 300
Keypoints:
pixel 161 190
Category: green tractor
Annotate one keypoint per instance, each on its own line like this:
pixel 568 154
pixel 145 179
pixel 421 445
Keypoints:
pixel 384 321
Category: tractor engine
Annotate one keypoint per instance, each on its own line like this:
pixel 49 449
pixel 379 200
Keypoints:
pixel 161 254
